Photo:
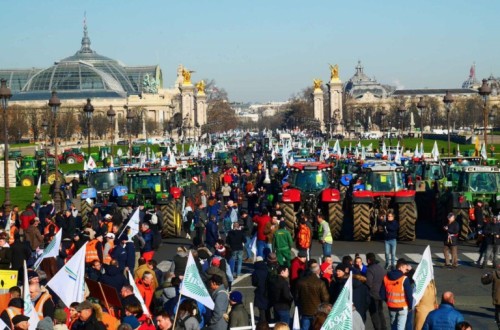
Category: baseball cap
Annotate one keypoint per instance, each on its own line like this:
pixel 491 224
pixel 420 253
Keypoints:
pixel 110 235
pixel 84 305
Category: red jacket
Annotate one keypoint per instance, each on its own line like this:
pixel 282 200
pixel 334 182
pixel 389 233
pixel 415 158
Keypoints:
pixel 261 221
pixel 296 268
pixel 26 217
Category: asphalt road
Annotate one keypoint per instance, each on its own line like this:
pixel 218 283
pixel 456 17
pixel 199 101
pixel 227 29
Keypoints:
pixel 472 298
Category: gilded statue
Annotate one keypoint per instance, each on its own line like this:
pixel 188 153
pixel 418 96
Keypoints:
pixel 186 74
pixel 334 72
pixel 317 83
pixel 200 86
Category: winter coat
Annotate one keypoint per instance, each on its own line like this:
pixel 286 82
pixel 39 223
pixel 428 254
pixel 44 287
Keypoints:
pixel 119 253
pixel 235 239
pixel 20 251
pixel 269 229
pixel 259 281
pixel 493 278
pixel 187 323
pixel 68 226
pixel 279 294
pixel 148 241
pixel 375 279
pixel 33 235
pixel 451 234
pixel 360 295
pixel 5 257
pixel 261 221
pixel 221 300
pixel 427 304
pixel 444 318
pixel 178 266
pixel 212 233
pixel 311 292
pixel 391 229
pixel 113 277
pixel 214 270
pixel 238 316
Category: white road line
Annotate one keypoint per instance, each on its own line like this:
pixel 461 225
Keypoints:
pixel 439 255
pixel 472 256
pixel 240 278
pixel 415 257
pixel 381 256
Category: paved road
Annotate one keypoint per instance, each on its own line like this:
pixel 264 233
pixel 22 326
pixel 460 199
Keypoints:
pixel 472 298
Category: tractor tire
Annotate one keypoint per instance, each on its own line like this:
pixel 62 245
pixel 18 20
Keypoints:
pixel 407 220
pixel 289 216
pixel 335 219
pixel 361 219
pixel 85 209
pixel 51 177
pixel 70 160
pixel 462 216
pixel 171 219
pixel 27 181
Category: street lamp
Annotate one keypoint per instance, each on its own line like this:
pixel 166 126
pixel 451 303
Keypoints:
pixel 485 91
pixel 54 104
pixel 421 107
pixel 45 126
pixel 448 100
pixel 88 109
pixel 5 95
pixel 401 112
pixel 111 118
pixel 144 130
pixel 130 119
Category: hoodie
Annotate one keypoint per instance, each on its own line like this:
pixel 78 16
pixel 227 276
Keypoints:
pixel 394 275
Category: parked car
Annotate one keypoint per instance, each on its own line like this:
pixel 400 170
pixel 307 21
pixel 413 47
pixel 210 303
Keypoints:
pixel 80 175
pixel 139 141
pixel 122 143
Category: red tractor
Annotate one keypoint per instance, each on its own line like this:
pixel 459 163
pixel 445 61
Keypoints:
pixel 309 190
pixel 381 187
pixel 71 156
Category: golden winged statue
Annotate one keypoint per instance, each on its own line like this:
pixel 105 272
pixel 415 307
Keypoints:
pixel 186 74
pixel 200 86
pixel 334 72
pixel 317 83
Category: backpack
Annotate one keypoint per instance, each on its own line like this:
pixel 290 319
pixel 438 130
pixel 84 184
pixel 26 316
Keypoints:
pixel 304 236
pixel 156 242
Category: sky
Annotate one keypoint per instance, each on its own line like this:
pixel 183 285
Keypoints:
pixel 265 50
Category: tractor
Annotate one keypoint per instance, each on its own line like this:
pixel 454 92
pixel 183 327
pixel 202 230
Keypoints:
pixel 309 190
pixel 30 169
pixel 71 156
pixel 151 187
pixel 382 187
pixel 15 155
pixel 473 183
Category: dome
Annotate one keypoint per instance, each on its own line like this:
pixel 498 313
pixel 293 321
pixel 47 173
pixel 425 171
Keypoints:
pixel 360 84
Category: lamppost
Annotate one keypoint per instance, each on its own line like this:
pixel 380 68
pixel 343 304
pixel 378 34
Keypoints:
pixel 111 118
pixel 54 104
pixel 421 107
pixel 130 119
pixel 401 112
pixel 485 91
pixel 144 130
pixel 448 100
pixel 45 126
pixel 5 95
pixel 88 109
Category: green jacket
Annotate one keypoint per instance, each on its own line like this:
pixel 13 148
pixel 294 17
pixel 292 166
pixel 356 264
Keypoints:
pixel 282 240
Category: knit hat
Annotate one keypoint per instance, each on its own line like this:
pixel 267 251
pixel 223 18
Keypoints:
pixel 324 266
pixel 272 257
pixel 60 315
pixel 341 267
pixel 32 274
pixel 45 324
pixel 236 296
pixel 132 321
pixel 216 262
pixel 302 254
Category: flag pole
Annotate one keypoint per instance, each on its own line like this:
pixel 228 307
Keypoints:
pixel 177 310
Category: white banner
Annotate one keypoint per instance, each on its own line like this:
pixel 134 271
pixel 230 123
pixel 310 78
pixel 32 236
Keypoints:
pixel 133 225
pixel 340 317
pixel 423 276
pixel 131 281
pixel 29 310
pixel 193 287
pixel 52 250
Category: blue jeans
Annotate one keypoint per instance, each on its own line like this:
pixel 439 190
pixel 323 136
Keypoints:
pixel 270 247
pixel 327 249
pixel 248 246
pixel 390 252
pixel 398 319
pixel 261 245
pixel 305 322
pixel 409 320
pixel 282 316
pixel 237 262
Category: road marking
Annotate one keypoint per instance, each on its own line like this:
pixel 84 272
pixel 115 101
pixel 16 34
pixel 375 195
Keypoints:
pixel 439 256
pixel 240 278
pixel 473 256
pixel 381 256
pixel 415 257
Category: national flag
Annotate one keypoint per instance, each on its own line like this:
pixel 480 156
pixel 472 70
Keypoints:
pixel 192 285
pixel 340 317
pixel 29 310
pixel 69 281
pixel 132 225
pixel 424 274
pixel 91 163
pixel 52 250
pixel 131 281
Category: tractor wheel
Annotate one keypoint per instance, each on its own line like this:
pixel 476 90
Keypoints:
pixel 171 219
pixel 70 160
pixel 51 178
pixel 85 209
pixel 462 216
pixel 27 181
pixel 407 220
pixel 361 216
pixel 335 219
pixel 290 218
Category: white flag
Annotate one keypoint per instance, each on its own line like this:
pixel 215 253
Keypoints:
pixel 423 276
pixel 29 310
pixel 52 250
pixel 91 163
pixel 131 281
pixel 193 287
pixel 3 326
pixel 296 320
pixel 39 185
pixel 254 247
pixel 484 153
pixel 435 151
pixel 85 165
pixel 133 225
pixel 340 316
pixel 69 281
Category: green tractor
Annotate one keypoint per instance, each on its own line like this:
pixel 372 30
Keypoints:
pixel 471 184
pixel 31 168
pixel 15 155
pixel 186 174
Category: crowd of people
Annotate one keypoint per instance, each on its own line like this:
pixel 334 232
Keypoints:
pixel 221 236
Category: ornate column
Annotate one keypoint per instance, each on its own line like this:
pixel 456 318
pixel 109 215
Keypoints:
pixel 187 95
pixel 335 90
pixel 318 103
pixel 201 104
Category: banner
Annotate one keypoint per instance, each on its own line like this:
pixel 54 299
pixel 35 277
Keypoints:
pixel 340 317
pixel 8 279
pixel 131 281
pixel 133 225
pixel 69 281
pixel 423 276
pixel 29 310
pixel 193 287
pixel 52 250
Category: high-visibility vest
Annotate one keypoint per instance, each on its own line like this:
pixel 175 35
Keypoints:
pixel 91 251
pixel 13 230
pixel 47 229
pixel 69 252
pixel 107 258
pixel 39 304
pixel 395 292
pixel 13 311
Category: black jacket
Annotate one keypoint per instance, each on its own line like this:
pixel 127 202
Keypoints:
pixel 451 234
pixel 259 281
pixel 5 257
pixel 20 251
pixel 113 277
pixel 279 293
pixel 235 239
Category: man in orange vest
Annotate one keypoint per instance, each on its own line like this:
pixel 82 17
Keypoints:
pixel 15 308
pixel 398 294
pixel 108 248
pixel 146 288
pixel 40 297
pixel 94 250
